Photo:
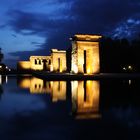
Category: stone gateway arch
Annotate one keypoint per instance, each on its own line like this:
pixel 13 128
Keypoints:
pixel 85 54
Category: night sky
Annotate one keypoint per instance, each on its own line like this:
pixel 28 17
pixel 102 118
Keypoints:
pixel 33 27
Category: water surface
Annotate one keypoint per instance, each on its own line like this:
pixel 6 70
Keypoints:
pixel 32 108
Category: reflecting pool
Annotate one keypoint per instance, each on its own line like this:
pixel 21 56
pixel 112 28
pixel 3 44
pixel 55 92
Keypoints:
pixel 32 108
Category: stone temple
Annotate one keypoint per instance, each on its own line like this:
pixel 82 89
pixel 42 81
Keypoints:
pixel 85 54
pixel 56 62
pixel 85 57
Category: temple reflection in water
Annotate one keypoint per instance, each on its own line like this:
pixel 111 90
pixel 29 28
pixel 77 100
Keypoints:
pixel 84 94
pixel 57 89
pixel 85 99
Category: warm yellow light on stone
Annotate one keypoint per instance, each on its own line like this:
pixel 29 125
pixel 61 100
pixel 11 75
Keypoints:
pixel 87 37
pixel 75 68
pixel 35 63
pixel 24 65
pixel 61 68
pixel 40 62
pixel 58 59
pixel 88 70
pixel 51 68
pixel 85 54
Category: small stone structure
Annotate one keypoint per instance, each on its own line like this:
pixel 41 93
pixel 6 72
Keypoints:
pixel 55 63
pixel 35 63
pixel 23 65
pixel 58 59
pixel 40 62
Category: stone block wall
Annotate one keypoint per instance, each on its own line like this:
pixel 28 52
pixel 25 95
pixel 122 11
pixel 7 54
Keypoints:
pixel 58 60
pixel 40 62
pixel 23 65
pixel 90 63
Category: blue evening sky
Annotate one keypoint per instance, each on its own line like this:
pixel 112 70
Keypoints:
pixel 33 27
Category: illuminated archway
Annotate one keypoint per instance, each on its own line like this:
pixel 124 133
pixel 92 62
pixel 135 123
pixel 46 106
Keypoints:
pixel 85 54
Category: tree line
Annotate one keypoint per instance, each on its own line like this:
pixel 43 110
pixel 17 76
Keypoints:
pixel 119 55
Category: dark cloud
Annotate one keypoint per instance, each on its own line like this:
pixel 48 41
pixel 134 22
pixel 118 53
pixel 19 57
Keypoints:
pixel 29 23
pixel 103 15
pixel 94 17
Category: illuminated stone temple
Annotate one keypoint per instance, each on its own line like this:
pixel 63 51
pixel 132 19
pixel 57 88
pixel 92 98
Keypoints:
pixel 35 63
pixel 56 62
pixel 85 57
pixel 58 58
pixel 85 54
pixel 40 62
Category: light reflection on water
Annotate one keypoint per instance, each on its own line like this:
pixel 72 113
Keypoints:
pixel 13 102
pixel 50 107
pixel 57 89
pixel 85 98
pixel 84 94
